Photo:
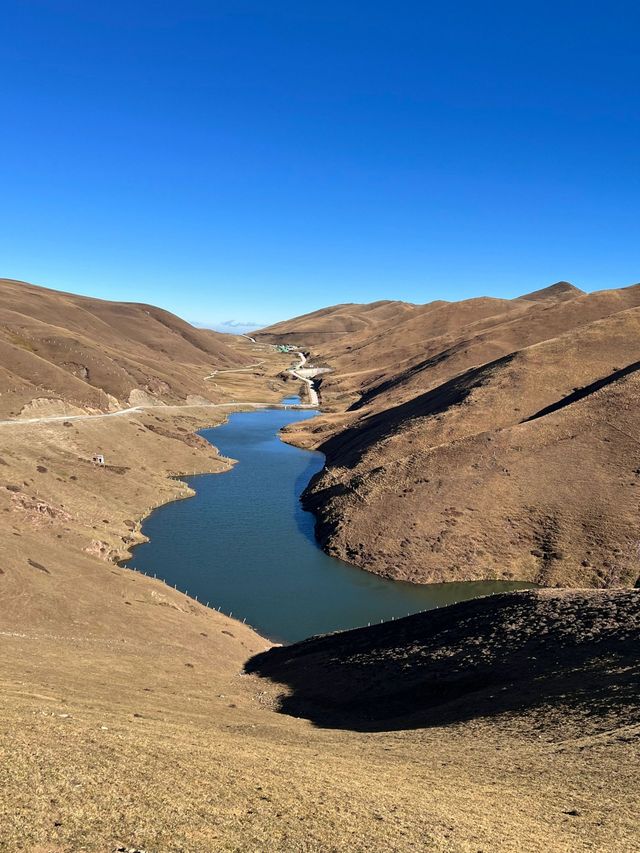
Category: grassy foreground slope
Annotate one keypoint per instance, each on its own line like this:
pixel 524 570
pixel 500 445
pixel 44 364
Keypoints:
pixel 507 724
pixel 486 440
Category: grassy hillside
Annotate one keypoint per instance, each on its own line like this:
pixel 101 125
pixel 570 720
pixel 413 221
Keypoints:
pixel 566 657
pixel 127 715
pixel 486 439
pixel 335 323
pixel 99 355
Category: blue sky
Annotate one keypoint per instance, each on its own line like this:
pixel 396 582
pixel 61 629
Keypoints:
pixel 251 161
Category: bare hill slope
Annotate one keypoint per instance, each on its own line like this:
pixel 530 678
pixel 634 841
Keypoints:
pixel 92 353
pixel 560 290
pixel 495 446
pixel 335 323
pixel 425 349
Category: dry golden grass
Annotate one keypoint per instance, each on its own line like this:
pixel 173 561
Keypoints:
pixel 501 448
pixel 126 718
pixel 126 744
pixel 59 351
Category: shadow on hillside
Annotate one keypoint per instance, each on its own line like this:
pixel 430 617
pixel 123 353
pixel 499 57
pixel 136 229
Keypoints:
pixel 581 393
pixel 572 653
pixel 398 380
pixel 351 442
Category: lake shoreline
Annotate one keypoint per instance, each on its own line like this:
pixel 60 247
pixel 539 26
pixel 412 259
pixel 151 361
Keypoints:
pixel 259 575
pixel 190 493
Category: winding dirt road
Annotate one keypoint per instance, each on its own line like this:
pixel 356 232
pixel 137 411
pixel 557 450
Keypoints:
pixel 313 394
pixel 135 409
pixel 235 369
pixel 313 397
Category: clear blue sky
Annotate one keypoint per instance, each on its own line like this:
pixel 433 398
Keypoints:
pixel 252 161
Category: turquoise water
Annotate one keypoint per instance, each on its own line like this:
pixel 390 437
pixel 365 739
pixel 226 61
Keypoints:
pixel 244 543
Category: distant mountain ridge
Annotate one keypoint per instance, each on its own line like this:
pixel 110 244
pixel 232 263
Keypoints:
pixel 354 317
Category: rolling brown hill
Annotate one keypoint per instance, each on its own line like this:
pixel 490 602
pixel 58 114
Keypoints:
pixel 335 323
pixel 492 439
pixel 426 349
pixel 92 354
pixel 128 719
pixel 560 290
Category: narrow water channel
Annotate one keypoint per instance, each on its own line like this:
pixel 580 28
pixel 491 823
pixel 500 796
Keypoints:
pixel 244 543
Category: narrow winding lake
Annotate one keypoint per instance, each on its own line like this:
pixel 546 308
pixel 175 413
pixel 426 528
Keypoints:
pixel 245 544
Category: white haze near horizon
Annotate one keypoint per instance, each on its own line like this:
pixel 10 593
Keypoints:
pixel 230 327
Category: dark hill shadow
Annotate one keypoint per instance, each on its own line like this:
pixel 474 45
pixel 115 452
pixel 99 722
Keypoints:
pixel 514 652
pixel 397 381
pixel 351 442
pixel 581 393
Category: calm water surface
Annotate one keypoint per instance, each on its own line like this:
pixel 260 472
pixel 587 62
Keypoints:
pixel 244 543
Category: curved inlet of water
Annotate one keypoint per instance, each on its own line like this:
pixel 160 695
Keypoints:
pixel 245 544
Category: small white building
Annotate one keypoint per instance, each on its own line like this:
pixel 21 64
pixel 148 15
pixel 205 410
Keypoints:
pixel 97 459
